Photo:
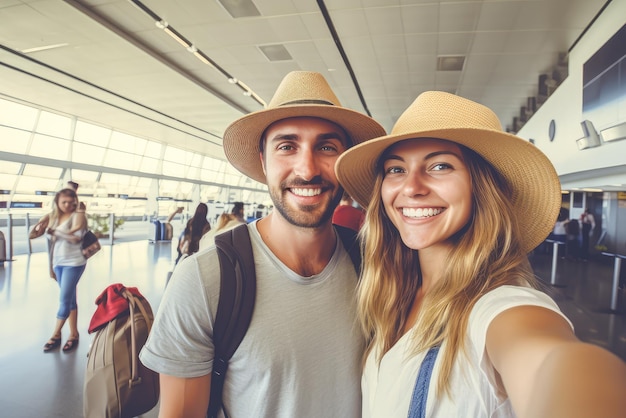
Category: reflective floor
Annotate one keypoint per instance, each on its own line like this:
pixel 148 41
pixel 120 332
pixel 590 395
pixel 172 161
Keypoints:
pixel 37 384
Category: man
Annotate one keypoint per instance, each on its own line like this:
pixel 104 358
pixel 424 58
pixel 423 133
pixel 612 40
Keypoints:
pixel 301 356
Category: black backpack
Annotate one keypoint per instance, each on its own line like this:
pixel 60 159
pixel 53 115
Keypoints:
pixel 237 296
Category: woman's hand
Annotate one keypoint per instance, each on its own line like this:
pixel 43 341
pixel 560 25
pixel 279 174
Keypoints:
pixel 74 239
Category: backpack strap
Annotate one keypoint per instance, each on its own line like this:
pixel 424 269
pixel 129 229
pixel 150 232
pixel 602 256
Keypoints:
pixel 350 239
pixel 235 306
pixel 417 409
pixel 133 304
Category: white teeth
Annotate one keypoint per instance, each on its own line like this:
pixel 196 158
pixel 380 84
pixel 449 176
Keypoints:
pixel 306 192
pixel 421 212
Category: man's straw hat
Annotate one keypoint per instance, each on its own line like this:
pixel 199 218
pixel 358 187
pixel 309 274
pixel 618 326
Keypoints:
pixel 531 176
pixel 301 93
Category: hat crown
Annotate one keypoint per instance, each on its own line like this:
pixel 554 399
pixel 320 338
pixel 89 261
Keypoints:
pixel 303 87
pixel 435 110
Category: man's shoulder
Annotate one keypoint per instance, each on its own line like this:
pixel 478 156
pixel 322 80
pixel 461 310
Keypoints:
pixel 203 262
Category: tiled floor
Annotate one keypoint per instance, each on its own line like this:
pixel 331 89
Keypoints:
pixel 34 384
pixel 37 384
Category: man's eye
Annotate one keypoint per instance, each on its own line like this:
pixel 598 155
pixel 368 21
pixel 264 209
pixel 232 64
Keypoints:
pixel 285 147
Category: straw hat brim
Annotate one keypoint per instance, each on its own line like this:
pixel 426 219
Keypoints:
pixel 242 137
pixel 533 179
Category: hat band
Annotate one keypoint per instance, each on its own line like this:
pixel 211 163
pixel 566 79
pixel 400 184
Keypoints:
pixel 307 101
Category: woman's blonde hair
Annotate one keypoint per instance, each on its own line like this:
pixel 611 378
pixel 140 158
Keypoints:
pixel 56 212
pixel 223 220
pixel 486 254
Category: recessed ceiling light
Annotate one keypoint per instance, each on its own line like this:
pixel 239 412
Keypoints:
pixel 450 62
pixel 276 52
pixel 240 8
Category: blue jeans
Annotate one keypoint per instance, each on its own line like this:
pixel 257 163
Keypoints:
pixel 67 278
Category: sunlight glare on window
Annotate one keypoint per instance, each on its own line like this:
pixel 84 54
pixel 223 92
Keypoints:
pixel 43 171
pixel 14 140
pixel 149 165
pixel 7 179
pixel 49 147
pixel 123 160
pixel 92 134
pixel 173 169
pixel 87 154
pixel 54 125
pixel 153 149
pixel 174 154
pixel 9 167
pixel 17 115
pixel 30 185
pixel 122 142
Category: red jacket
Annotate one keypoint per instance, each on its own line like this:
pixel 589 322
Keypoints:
pixel 111 304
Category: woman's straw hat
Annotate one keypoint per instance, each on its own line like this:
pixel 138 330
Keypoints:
pixel 533 179
pixel 301 93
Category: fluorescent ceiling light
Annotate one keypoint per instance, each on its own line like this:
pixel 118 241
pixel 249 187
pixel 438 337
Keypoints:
pixel 171 32
pixel 43 48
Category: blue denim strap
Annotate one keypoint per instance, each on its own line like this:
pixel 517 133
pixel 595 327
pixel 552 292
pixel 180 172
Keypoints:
pixel 420 391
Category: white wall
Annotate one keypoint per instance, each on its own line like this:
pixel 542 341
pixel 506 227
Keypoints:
pixel 565 107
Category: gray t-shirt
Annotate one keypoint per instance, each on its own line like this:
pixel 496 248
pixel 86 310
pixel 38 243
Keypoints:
pixel 301 356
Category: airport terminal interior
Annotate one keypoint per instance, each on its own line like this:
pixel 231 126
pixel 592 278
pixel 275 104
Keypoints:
pixel 130 99
pixel 37 384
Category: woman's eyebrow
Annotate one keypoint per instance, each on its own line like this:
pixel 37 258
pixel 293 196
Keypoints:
pixel 443 152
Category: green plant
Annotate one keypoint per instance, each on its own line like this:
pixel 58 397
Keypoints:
pixel 99 224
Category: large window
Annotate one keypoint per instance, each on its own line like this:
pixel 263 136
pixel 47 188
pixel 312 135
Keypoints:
pixel 116 171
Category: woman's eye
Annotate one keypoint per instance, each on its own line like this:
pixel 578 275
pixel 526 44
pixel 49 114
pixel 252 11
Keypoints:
pixel 441 166
pixel 394 170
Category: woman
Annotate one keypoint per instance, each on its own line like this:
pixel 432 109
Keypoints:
pixel 66 230
pixel 453 207
pixel 196 227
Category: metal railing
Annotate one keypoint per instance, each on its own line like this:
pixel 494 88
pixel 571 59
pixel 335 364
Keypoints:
pixel 16 228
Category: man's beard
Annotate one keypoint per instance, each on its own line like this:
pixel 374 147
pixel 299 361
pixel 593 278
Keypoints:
pixel 305 216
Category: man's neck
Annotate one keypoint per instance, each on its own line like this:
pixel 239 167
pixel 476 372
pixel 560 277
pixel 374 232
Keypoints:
pixel 306 251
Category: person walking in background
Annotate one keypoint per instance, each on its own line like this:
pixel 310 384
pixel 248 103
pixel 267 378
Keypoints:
pixel 588 223
pixel 572 239
pixel 301 354
pixel 454 205
pixel 42 224
pixel 347 215
pixel 168 221
pixel 66 229
pixel 238 212
pixel 196 227
pixel 559 233
pixel 225 222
